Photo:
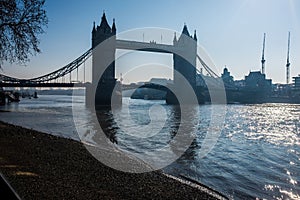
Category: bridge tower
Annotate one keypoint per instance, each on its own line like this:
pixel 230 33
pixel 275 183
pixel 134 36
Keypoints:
pixel 184 63
pixel 103 63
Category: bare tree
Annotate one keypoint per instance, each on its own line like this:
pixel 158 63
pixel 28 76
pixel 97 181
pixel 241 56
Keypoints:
pixel 21 21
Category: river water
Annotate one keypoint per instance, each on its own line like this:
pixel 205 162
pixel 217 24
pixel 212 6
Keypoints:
pixel 255 155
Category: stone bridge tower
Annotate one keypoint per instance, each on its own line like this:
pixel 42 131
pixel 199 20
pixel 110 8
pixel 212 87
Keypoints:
pixel 103 63
pixel 184 61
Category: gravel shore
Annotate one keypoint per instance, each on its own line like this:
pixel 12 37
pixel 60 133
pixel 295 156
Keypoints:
pixel 42 166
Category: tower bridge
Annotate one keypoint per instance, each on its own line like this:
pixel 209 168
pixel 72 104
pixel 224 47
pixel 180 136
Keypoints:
pixel 104 45
pixel 143 46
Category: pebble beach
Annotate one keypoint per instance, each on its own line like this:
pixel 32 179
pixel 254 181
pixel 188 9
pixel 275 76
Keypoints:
pixel 42 166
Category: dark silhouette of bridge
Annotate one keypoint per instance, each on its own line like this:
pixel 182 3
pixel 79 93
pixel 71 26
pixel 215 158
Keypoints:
pixel 184 50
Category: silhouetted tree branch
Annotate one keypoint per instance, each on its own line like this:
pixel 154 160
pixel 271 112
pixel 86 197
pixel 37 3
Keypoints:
pixel 21 21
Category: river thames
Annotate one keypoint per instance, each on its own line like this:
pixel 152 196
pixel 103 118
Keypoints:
pixel 256 153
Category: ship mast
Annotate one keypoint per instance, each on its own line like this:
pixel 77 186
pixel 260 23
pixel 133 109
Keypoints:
pixel 288 62
pixel 263 56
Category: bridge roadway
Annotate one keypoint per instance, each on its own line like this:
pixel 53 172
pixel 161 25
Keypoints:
pixel 32 84
pixel 146 85
pixel 143 46
pixel 6 81
pixel 124 87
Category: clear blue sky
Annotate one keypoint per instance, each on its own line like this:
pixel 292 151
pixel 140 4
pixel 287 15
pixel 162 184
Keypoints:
pixel 231 31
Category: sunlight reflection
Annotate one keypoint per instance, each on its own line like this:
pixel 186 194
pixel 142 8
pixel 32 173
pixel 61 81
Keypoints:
pixel 273 123
pixel 21 173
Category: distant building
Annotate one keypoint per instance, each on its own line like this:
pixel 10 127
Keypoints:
pixel 258 80
pixel 296 82
pixel 226 77
pixel 281 90
pixel 296 89
pixel 139 83
pixel 239 83
pixel 161 81
pixel 204 80
pixel 257 88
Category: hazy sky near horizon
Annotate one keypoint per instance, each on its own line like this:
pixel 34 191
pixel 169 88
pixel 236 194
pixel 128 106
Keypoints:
pixel 231 32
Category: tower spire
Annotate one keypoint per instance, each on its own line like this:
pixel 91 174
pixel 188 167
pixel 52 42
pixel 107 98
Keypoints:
pixel 185 30
pixel 113 28
pixel 94 27
pixel 288 61
pixel 104 24
pixel 195 36
pixel 175 38
pixel 263 56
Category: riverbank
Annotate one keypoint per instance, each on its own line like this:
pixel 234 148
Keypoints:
pixel 42 166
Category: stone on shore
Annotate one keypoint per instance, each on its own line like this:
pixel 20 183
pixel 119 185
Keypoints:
pixel 42 166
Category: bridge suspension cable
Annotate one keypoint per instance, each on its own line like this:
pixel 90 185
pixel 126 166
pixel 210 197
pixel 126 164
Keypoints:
pixel 74 65
pixel 207 68
pixel 64 70
pixel 216 80
pixel 53 75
